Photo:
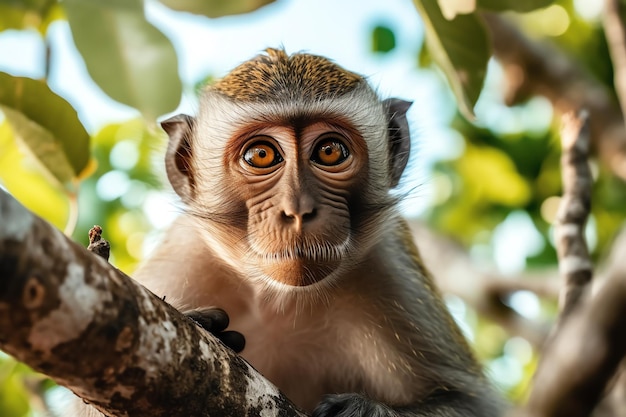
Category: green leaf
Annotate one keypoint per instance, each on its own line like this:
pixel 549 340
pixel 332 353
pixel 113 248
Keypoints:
pixel 23 177
pixel 424 59
pixel 216 8
pixel 451 8
pixel 493 176
pixel 383 39
pixel 512 5
pixel 47 125
pixel 23 14
pixel 461 48
pixel 125 55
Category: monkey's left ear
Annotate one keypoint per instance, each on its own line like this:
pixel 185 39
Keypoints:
pixel 399 137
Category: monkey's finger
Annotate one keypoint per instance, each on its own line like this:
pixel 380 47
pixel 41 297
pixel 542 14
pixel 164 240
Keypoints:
pixel 212 319
pixel 233 340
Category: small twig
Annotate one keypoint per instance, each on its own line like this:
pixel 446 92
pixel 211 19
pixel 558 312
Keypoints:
pixel 575 264
pixel 98 245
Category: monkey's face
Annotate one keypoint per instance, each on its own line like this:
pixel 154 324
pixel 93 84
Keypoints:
pixel 288 167
pixel 298 184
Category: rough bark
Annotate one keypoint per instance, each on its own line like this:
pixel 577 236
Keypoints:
pixel 574 261
pixel 69 314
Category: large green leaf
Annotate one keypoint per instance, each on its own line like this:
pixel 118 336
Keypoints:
pixel 47 125
pixel 461 48
pixel 216 8
pixel 22 175
pixel 512 5
pixel 125 55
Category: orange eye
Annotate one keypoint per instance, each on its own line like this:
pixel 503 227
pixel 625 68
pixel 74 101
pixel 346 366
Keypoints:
pixel 330 152
pixel 262 155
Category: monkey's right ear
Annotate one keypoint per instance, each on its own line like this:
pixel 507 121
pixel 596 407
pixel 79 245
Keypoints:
pixel 179 154
pixel 399 136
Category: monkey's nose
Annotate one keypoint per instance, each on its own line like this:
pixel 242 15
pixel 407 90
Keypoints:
pixel 298 218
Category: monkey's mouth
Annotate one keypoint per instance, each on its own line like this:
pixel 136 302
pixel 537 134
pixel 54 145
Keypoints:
pixel 299 272
pixel 302 266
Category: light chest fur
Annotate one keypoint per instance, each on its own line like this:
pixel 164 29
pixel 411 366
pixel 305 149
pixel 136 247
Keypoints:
pixel 306 349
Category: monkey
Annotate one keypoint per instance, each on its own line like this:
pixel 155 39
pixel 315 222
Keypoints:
pixel 291 233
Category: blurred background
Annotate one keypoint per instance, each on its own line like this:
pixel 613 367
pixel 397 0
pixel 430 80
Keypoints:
pixel 83 86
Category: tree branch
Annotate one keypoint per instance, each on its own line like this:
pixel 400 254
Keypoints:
pixel 69 314
pixel 586 349
pixel 574 262
pixel 584 355
pixel 485 291
pixel 534 68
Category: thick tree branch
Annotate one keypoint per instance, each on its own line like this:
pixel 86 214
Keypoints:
pixel 68 313
pixel 534 68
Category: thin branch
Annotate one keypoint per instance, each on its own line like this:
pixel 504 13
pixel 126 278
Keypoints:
pixel 574 262
pixel 615 33
pixel 69 314
pixel 583 355
pixel 484 290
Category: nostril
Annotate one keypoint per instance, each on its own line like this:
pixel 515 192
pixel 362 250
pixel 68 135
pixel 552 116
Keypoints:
pixel 287 217
pixel 309 216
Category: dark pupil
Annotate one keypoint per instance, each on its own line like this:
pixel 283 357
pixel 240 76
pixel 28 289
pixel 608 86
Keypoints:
pixel 262 153
pixel 328 150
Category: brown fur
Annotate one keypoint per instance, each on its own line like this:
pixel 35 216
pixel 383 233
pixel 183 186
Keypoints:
pixel 277 76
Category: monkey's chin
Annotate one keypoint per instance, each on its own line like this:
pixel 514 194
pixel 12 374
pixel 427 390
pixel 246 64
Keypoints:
pixel 299 272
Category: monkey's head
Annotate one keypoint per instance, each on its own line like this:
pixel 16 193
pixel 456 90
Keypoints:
pixel 288 166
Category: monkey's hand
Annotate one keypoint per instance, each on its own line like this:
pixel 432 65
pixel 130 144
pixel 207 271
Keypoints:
pixel 215 320
pixel 351 405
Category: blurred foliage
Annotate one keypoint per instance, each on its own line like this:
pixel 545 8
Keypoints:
pixel 47 125
pixel 462 58
pixel 22 175
pixel 48 160
pixel 26 14
pixel 127 71
pixel 216 8
pixel 114 196
pixel 383 39
pixel 512 5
